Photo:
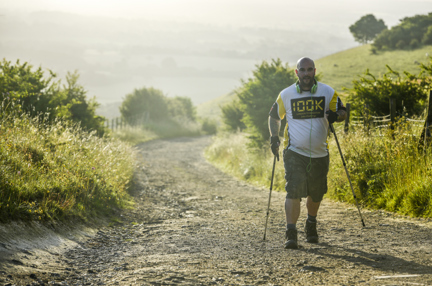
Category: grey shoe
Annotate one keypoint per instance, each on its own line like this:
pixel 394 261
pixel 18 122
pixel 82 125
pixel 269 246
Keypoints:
pixel 311 232
pixel 291 239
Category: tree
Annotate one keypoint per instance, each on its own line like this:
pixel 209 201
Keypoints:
pixel 409 33
pixel 367 28
pixel 427 37
pixel 232 116
pixel 181 107
pixel 142 104
pixel 258 93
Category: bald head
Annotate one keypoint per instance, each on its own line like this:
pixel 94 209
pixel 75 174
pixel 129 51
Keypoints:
pixel 303 61
pixel 306 73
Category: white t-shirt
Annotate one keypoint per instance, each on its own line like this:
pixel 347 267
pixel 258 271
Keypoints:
pixel 306 130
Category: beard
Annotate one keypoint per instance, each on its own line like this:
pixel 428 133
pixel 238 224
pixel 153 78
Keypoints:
pixel 307 82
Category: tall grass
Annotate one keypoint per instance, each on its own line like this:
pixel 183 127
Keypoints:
pixel 230 153
pixel 53 171
pixel 389 170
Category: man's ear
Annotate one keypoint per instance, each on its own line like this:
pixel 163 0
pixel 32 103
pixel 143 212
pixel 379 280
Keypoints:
pixel 296 71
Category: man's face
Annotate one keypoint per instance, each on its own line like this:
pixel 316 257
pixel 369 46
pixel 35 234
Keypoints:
pixel 306 73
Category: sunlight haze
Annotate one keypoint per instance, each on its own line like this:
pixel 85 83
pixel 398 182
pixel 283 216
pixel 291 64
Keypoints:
pixel 199 49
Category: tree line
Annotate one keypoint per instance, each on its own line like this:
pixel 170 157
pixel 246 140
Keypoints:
pixel 410 33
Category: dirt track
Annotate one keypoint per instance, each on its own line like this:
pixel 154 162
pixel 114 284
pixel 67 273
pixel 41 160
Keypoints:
pixel 195 225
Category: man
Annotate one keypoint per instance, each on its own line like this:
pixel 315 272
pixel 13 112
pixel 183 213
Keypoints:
pixel 309 107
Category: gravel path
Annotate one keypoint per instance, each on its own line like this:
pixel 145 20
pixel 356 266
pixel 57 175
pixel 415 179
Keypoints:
pixel 194 225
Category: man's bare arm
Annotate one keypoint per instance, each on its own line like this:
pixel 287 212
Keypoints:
pixel 274 126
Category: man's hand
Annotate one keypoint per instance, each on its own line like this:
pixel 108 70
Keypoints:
pixel 275 143
pixel 332 116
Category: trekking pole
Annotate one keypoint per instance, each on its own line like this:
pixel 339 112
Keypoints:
pixel 346 171
pixel 268 206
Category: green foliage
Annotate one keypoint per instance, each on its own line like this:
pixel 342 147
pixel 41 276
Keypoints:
pixel 209 126
pixel 72 104
pixel 181 107
pixel 150 115
pixel 409 29
pixel 374 93
pixel 34 93
pixel 367 28
pixel 57 170
pixel 143 104
pixel 427 37
pixel 258 93
pixel 388 170
pixel 232 116
pixel 229 152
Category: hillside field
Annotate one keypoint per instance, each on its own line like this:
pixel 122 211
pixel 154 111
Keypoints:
pixel 340 69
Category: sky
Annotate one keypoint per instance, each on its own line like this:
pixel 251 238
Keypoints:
pixel 269 13
pixel 200 49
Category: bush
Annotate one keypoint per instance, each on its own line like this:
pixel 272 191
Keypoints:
pixel 257 95
pixel 232 117
pixel 34 93
pixel 409 93
pixel 427 37
pixel 181 107
pixel 414 44
pixel 400 45
pixel 144 104
pixel 209 126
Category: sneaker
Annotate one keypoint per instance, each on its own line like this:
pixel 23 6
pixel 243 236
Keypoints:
pixel 311 232
pixel 291 239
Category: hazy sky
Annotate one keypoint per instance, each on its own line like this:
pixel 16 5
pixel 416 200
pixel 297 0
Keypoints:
pixel 269 13
pixel 196 48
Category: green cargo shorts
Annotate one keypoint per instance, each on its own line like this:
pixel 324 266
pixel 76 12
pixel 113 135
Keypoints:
pixel 305 176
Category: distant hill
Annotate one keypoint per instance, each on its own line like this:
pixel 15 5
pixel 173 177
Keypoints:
pixel 340 69
pixel 211 109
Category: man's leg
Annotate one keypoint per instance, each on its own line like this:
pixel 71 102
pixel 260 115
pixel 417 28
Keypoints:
pixel 292 210
pixel 292 213
pixel 310 225
pixel 312 207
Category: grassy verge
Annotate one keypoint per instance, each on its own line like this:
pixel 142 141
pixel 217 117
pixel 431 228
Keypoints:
pixel 53 171
pixel 388 171
pixel 229 152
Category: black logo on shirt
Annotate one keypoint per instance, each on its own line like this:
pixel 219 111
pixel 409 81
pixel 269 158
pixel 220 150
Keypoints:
pixel 305 108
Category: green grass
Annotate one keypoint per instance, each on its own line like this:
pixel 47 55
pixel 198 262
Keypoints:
pixel 229 152
pixel 388 171
pixel 56 171
pixel 340 69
